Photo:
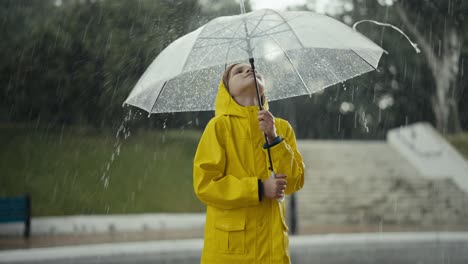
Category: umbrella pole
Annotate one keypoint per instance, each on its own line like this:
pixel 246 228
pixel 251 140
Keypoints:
pixel 260 106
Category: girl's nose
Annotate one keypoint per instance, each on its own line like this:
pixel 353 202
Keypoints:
pixel 250 70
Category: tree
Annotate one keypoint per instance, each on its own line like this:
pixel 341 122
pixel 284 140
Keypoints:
pixel 74 62
pixel 442 46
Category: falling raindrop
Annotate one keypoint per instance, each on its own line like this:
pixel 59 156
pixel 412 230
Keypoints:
pixel 392 69
pixel 106 182
pixel 430 34
pixel 339 123
pixel 364 120
pixel 337 94
pixel 375 95
pixel 462 67
pixel 61 134
pixel 117 150
pixel 413 81
pixel 405 68
pixel 355 119
pixel 122 132
pixel 83 39
pixel 440 47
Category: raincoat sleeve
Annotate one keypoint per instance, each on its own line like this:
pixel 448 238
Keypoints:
pixel 287 159
pixel 210 183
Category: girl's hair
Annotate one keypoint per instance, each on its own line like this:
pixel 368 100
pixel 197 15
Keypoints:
pixel 227 75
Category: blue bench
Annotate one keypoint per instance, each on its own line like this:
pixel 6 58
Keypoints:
pixel 16 209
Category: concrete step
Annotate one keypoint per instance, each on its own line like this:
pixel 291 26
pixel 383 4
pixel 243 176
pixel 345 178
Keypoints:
pixel 357 182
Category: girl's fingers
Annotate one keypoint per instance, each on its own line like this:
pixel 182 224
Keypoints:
pixel 281 182
pixel 265 115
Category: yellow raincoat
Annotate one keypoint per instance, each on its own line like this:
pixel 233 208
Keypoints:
pixel 228 163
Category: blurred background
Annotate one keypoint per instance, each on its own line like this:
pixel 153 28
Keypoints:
pixel 66 67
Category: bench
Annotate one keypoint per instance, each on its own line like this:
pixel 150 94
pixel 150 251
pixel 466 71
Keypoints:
pixel 16 209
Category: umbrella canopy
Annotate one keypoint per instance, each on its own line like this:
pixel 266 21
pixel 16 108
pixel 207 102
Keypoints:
pixel 298 53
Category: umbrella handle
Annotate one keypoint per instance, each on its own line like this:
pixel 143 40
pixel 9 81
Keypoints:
pixel 260 105
pixel 260 101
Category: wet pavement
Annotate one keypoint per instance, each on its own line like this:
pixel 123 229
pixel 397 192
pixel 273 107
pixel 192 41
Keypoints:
pixel 400 248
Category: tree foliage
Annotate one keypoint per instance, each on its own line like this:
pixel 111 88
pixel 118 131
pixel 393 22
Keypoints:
pixel 75 61
pixel 404 89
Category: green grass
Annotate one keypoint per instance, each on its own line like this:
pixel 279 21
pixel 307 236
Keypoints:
pixel 62 171
pixel 460 142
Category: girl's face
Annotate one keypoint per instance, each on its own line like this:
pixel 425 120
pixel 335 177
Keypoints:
pixel 241 81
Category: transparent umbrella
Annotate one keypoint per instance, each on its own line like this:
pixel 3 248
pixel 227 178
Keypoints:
pixel 298 52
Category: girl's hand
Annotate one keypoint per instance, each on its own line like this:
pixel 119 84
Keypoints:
pixel 273 188
pixel 267 125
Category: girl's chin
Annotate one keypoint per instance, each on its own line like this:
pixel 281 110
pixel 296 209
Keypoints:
pixel 252 82
pixel 253 88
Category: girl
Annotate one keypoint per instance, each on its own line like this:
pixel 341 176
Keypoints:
pixel 245 223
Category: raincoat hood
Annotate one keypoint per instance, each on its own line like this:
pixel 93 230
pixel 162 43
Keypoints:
pixel 226 105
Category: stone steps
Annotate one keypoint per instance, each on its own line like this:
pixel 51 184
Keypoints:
pixel 354 182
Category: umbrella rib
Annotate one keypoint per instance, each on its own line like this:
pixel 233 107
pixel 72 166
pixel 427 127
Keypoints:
pixel 258 23
pixel 216 31
pixel 292 64
pixel 282 23
pixel 266 30
pixel 256 17
pixel 221 38
pixel 299 40
pixel 227 42
pixel 327 65
pixel 269 34
pixel 228 28
pixel 193 45
pixel 159 94
pixel 185 63
pixel 204 57
pixel 235 32
pixel 297 72
pixel 364 60
pixel 242 37
pixel 215 44
pixel 229 47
